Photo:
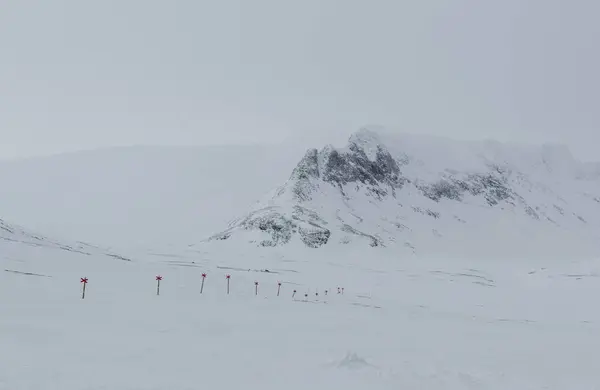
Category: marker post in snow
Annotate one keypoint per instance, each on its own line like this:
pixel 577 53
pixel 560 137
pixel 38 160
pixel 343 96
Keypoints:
pixel 228 277
pixel 84 281
pixel 294 294
pixel 278 288
pixel 158 279
pixel 255 288
pixel 202 285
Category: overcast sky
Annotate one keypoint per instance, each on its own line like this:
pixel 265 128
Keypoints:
pixel 80 74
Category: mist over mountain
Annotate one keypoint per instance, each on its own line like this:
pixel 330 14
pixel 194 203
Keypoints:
pixel 420 195
pixel 431 195
pixel 141 196
pixel 467 247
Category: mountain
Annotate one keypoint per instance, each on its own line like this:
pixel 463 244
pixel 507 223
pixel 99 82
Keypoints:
pixel 141 196
pixel 434 196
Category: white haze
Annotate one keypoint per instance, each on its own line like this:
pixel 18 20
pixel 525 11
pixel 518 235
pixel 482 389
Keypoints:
pixel 403 322
pixel 141 196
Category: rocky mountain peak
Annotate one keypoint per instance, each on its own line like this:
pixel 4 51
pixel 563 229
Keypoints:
pixel 365 161
pixel 415 191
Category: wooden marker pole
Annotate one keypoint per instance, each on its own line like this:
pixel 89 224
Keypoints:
pixel 158 279
pixel 228 277
pixel 202 285
pixel 255 288
pixel 278 288
pixel 84 281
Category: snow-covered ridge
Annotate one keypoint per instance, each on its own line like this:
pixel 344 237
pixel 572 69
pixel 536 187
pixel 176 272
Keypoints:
pixel 16 237
pixel 430 194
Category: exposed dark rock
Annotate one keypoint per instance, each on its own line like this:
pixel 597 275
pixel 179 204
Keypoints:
pixel 493 189
pixel 314 238
pixel 375 241
pixel 307 170
pixel 280 228
pixel 531 212
pixel 223 236
pixel 308 166
pixel 304 214
pixel 381 176
pixel 444 189
pixel 433 214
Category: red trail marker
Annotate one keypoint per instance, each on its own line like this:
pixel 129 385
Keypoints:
pixel 84 281
pixel 278 287
pixel 255 288
pixel 158 279
pixel 228 277
pixel 202 285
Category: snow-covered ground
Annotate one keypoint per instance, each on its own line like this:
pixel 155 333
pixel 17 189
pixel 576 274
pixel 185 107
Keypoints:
pixel 431 318
pixel 400 324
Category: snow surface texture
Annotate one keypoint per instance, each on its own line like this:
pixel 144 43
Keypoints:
pixel 400 324
pixel 433 196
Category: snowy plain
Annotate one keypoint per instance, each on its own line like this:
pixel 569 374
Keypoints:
pixel 403 321
pixel 400 323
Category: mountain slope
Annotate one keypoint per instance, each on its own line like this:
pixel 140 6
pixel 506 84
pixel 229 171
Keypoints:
pixel 18 242
pixel 433 195
pixel 141 196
